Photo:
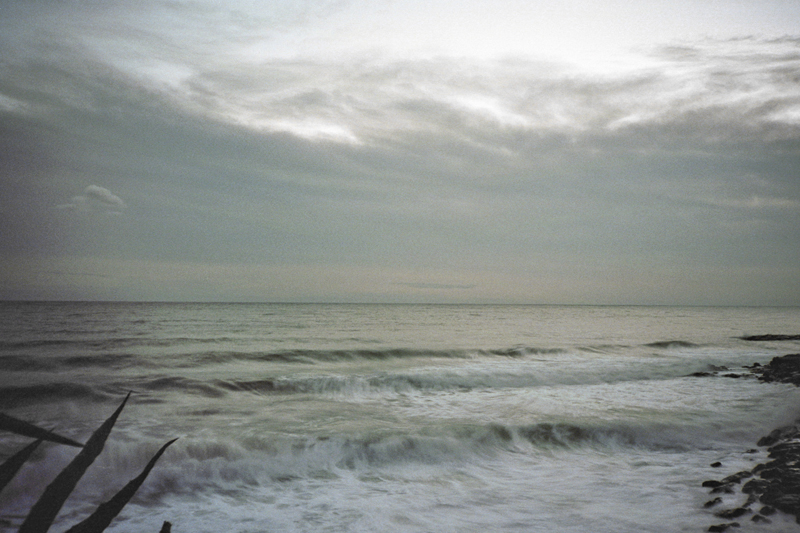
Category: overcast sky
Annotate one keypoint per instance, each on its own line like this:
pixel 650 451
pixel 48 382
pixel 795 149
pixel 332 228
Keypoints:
pixel 579 151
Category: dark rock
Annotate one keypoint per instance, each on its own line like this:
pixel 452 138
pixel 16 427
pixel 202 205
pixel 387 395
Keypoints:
pixel 777 485
pixel 788 503
pixel 790 485
pixel 722 527
pixel 735 376
pixel 777 435
pixel 712 503
pixel 771 473
pixel 787 482
pixel 737 478
pixel 723 489
pixel 784 449
pixel 785 361
pixel 770 337
pixel 700 374
pixel 767 440
pixel 755 486
pixel 785 369
pixel 733 513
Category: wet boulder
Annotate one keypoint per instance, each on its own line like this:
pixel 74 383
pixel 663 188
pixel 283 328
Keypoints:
pixel 718 528
pixel 783 369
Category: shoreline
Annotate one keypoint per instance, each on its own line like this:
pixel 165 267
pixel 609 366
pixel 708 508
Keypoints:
pixel 774 485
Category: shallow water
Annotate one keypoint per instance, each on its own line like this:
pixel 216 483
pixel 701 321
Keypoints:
pixel 395 418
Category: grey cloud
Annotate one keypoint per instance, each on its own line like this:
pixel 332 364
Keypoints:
pixel 104 196
pixel 95 199
pixel 723 92
pixel 515 166
pixel 750 86
pixel 98 198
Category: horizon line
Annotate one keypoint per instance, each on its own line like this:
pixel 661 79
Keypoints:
pixel 314 302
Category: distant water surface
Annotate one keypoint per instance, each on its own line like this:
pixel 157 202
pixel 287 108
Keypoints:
pixel 408 418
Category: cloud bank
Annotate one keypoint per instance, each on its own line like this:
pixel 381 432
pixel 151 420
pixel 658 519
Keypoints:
pixel 271 156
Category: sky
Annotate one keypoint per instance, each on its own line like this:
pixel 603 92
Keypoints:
pixel 472 151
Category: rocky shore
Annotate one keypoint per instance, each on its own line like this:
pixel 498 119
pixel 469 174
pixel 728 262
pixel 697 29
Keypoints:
pixel 772 486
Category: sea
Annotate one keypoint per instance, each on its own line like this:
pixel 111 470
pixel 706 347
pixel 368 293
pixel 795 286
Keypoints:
pixel 396 418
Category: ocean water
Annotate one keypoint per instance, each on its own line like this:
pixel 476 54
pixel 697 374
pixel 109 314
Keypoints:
pixel 407 418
